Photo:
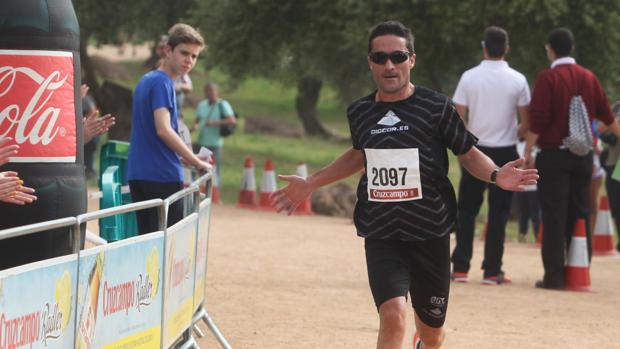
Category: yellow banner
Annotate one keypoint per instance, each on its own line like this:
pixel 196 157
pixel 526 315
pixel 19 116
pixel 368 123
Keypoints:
pixel 199 290
pixel 179 322
pixel 149 339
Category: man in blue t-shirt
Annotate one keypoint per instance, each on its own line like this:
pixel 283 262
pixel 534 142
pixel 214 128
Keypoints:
pixel 156 151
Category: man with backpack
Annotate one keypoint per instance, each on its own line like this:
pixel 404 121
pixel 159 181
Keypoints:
pixel 565 100
pixel 214 119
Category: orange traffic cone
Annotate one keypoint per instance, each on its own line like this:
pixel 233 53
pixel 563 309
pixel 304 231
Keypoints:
pixel 305 208
pixel 577 270
pixel 215 186
pixel 267 187
pixel 602 242
pixel 539 237
pixel 247 193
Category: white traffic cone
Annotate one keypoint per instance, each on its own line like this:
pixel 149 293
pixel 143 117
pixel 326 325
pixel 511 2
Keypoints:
pixel 267 187
pixel 602 241
pixel 247 192
pixel 305 208
pixel 577 269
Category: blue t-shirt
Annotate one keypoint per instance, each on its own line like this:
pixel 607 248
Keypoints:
pixel 150 159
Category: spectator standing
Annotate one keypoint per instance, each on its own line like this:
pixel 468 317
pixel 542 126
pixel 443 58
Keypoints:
pixel 182 84
pixel 94 126
pixel 488 98
pixel 609 160
pixel 405 207
pixel 528 207
pixel 212 113
pixel 564 186
pixel 12 189
pixel 89 107
pixel 154 167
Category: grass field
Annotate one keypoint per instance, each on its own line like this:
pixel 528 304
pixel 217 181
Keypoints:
pixel 259 97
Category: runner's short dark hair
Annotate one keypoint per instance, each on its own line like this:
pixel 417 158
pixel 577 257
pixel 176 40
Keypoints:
pixel 495 41
pixel 561 41
pixel 391 28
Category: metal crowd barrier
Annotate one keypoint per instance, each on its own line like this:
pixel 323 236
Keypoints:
pixel 117 295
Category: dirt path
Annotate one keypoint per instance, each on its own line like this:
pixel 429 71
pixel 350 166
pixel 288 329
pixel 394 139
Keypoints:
pixel 300 282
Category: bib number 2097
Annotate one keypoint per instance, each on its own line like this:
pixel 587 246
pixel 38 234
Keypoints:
pixel 389 176
pixel 393 174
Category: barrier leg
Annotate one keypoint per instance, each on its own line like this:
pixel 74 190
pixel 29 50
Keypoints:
pixel 204 316
pixel 198 331
pixel 187 341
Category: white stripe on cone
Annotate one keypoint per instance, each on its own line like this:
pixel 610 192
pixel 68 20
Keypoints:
pixel 578 253
pixel 603 224
pixel 577 270
pixel 247 193
pixel 268 186
pixel 602 240
pixel 305 208
pixel 302 170
pixel 248 182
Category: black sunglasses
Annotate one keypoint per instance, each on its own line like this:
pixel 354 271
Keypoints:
pixel 396 57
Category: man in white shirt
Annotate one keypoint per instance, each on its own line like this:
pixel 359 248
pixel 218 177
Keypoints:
pixel 488 98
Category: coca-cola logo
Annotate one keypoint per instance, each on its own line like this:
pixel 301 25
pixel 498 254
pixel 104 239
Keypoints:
pixel 37 104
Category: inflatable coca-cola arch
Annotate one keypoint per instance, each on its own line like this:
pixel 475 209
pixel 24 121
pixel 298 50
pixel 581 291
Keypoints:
pixel 40 109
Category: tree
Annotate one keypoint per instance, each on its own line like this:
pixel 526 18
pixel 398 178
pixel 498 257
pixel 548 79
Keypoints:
pixel 312 41
pixel 301 42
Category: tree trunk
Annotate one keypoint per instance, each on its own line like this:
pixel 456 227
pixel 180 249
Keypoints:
pixel 90 75
pixel 116 100
pixel 110 97
pixel 308 91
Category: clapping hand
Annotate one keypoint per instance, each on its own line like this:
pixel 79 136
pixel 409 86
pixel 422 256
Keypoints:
pixel 6 150
pixel 12 190
pixel 95 125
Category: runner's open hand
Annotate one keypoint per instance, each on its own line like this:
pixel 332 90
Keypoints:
pixel 288 198
pixel 511 177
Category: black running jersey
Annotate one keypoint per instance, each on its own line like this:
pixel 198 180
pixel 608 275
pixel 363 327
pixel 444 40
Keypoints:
pixel 405 193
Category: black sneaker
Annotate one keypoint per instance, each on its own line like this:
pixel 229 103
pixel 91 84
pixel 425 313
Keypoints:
pixel 541 284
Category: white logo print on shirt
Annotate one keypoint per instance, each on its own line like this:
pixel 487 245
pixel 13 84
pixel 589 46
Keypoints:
pixel 390 119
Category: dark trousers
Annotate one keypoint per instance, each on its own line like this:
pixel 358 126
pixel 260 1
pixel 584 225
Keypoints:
pixel 613 194
pixel 148 220
pixel 471 195
pixel 564 196
pixel 529 209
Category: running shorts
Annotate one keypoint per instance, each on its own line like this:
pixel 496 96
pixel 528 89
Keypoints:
pixel 421 268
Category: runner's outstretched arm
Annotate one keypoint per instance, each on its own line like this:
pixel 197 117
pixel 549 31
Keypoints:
pixel 510 176
pixel 299 188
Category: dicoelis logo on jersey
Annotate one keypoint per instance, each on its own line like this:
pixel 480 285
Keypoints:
pixel 45 325
pixel 37 104
pixel 390 120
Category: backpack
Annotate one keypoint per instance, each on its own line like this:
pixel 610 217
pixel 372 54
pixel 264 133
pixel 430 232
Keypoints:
pixel 226 130
pixel 579 139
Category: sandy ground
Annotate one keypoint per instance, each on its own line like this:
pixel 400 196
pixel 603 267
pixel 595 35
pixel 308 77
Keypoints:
pixel 300 282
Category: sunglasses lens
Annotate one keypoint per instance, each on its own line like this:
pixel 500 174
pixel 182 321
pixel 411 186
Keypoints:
pixel 398 57
pixel 379 57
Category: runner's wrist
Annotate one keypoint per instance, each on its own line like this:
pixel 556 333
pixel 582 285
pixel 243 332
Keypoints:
pixel 493 176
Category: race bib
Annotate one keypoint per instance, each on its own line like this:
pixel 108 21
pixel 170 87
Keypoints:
pixel 393 174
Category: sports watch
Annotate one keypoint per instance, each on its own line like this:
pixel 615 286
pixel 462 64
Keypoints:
pixel 494 176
